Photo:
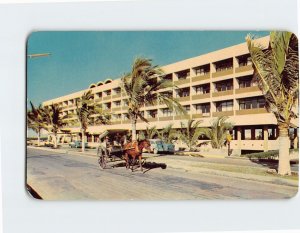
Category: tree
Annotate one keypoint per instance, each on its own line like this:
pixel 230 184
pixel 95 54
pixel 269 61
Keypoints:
pixel 218 132
pixel 141 86
pixel 277 73
pixel 151 132
pixel 190 133
pixel 87 113
pixel 54 120
pixel 167 134
pixel 36 120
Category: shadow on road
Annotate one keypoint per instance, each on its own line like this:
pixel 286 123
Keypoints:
pixel 271 163
pixel 146 165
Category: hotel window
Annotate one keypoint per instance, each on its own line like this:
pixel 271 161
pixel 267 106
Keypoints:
pixel 118 103
pixel 224 86
pixel 259 134
pixel 246 134
pixel 224 65
pixel 184 92
pixel 252 103
pixel 187 108
pixel 183 74
pixel 117 90
pixel 202 89
pixel 201 70
pixel 107 106
pixel 168 77
pixel 245 60
pixel 203 109
pixel 224 106
pixel 108 92
pixel 152 113
pixel 126 116
pixel 167 112
pixel 125 103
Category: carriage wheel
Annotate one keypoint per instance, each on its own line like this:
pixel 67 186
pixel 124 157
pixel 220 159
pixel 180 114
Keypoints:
pixel 101 158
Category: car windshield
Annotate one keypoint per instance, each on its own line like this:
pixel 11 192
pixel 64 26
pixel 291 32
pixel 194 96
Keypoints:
pixel 159 142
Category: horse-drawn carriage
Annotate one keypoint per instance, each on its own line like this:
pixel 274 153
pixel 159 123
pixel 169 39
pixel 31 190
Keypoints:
pixel 129 153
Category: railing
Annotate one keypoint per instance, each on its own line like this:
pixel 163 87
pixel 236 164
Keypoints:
pixel 166 118
pixel 182 81
pixel 116 96
pixel 222 73
pixel 222 93
pixel 251 111
pixel 243 68
pixel 201 77
pixel 116 109
pixel 107 97
pixel 200 115
pixel 182 117
pixel 184 98
pixel 225 113
pixel 200 96
pixel 247 89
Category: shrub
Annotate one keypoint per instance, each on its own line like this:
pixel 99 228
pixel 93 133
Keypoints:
pixel 272 154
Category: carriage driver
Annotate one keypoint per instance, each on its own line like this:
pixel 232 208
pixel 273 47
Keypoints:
pixel 105 145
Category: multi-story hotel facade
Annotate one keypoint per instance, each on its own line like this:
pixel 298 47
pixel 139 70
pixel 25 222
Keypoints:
pixel 215 84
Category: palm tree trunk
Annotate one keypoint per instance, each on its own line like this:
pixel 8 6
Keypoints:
pixel 39 136
pixel 284 167
pixel 83 140
pixel 55 140
pixel 133 127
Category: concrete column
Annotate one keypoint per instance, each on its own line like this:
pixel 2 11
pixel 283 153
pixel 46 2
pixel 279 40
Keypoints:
pixel 239 138
pixel 93 138
pixel 265 133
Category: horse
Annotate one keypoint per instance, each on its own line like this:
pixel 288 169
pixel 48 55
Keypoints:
pixel 134 150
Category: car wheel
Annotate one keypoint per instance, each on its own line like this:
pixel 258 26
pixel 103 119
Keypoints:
pixel 155 151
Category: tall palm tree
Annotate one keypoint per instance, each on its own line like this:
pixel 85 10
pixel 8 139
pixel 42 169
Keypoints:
pixel 218 132
pixel 87 113
pixel 190 133
pixel 141 86
pixel 276 70
pixel 167 134
pixel 151 132
pixel 36 120
pixel 54 120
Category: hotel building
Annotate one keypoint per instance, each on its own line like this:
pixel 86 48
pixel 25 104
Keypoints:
pixel 208 86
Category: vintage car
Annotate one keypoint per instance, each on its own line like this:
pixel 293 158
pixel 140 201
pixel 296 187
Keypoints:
pixel 77 144
pixel 158 146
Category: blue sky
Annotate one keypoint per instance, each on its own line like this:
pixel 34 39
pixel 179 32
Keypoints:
pixel 81 58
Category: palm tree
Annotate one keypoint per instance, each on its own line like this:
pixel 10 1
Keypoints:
pixel 141 86
pixel 35 120
pixel 190 133
pixel 218 132
pixel 276 70
pixel 167 134
pixel 54 120
pixel 151 132
pixel 87 113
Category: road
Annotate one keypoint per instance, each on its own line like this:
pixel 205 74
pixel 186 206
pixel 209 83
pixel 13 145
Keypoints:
pixel 59 176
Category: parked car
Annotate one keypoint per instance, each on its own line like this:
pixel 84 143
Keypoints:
pixel 158 146
pixel 77 144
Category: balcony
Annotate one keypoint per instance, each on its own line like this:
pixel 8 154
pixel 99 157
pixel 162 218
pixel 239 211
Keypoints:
pixel 201 77
pixel 116 109
pixel 182 81
pixel 166 118
pixel 106 110
pixel 125 108
pixel 251 111
pixel 225 113
pixel 126 121
pixel 222 93
pixel 201 96
pixel 246 90
pixel 184 98
pixel 116 122
pixel 200 115
pixel 152 119
pixel 116 96
pixel 98 100
pixel 149 104
pixel 107 97
pixel 243 68
pixel 222 73
pixel 182 117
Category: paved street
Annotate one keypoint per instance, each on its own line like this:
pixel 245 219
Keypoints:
pixel 60 176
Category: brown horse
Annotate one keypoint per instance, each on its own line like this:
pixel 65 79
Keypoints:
pixel 134 150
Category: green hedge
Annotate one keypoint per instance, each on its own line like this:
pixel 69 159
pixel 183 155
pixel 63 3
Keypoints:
pixel 272 154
